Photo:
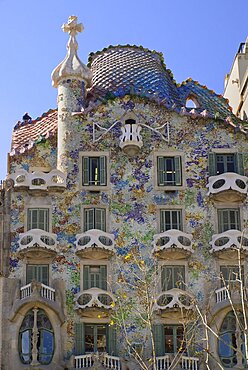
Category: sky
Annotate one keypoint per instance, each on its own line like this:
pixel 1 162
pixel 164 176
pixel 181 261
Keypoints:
pixel 198 38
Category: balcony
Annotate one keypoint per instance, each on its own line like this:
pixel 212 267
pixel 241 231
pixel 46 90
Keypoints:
pixel 228 186
pixel 39 294
pixel 94 244
pixel 94 298
pixel 40 289
pixel 36 243
pixel 131 140
pixel 176 299
pixel 90 359
pixel 173 244
pixel 39 181
pixel 184 362
pixel 227 243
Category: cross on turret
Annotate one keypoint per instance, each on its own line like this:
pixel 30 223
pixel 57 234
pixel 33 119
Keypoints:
pixel 72 27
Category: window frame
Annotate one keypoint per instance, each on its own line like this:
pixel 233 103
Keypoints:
pixel 228 206
pixel 41 330
pixel 162 264
pixel 38 266
pixel 83 216
pixel 173 266
pixel 161 209
pixel 37 206
pixel 212 162
pixel 169 154
pixel 95 154
pixel 87 280
pixel 94 262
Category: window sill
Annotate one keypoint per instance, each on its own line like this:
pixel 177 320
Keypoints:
pixel 169 188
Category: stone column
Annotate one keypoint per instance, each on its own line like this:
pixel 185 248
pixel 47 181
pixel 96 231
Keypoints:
pixel 71 77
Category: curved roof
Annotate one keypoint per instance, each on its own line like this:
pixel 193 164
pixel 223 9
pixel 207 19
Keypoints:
pixel 128 69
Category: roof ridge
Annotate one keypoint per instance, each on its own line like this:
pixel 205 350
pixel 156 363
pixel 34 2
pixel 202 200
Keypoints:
pixel 33 121
pixel 211 91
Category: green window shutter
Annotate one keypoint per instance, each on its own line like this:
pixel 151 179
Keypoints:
pixel 85 162
pixel 179 277
pixel 103 277
pixel 100 219
pixel 111 341
pixel 239 163
pixel 43 222
pixel 163 279
pixel 161 171
pixel 211 164
pixel 86 273
pixel 43 274
pixel 89 219
pixel 30 273
pixel 102 170
pixel 32 219
pixel 79 339
pixel 158 336
pixel 178 171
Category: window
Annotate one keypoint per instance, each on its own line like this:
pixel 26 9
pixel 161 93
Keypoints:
pixel 38 218
pixel 173 277
pixel 94 170
pixel 38 273
pixel 169 171
pixel 95 276
pixel 232 340
pixel 228 218
pixel 43 339
pixel 174 338
pixel 219 163
pixel 94 218
pixel 95 338
pixel 170 219
pixel 229 274
pixel 169 339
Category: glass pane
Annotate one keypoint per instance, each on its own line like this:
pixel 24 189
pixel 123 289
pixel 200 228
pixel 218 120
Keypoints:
pixel 45 347
pixel 101 338
pixel 89 338
pixel 94 171
pixel 26 346
pixel 169 339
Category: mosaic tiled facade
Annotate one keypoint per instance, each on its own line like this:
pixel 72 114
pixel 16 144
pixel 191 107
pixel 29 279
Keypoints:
pixel 124 188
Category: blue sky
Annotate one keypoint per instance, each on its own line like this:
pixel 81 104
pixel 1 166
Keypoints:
pixel 199 39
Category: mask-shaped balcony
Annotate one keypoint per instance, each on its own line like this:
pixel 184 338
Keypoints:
pixel 173 244
pixel 226 244
pixel 39 181
pixel 95 244
pixel 228 186
pixel 131 140
pixel 37 243
pixel 94 298
pixel 176 299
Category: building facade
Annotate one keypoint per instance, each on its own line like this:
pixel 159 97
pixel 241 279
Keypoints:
pixel 236 83
pixel 123 222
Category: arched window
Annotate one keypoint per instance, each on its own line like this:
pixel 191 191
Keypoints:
pixel 191 102
pixel 231 342
pixel 36 338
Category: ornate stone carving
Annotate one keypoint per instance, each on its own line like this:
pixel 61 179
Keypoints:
pixel 71 67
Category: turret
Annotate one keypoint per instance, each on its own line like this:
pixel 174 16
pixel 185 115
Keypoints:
pixel 71 77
